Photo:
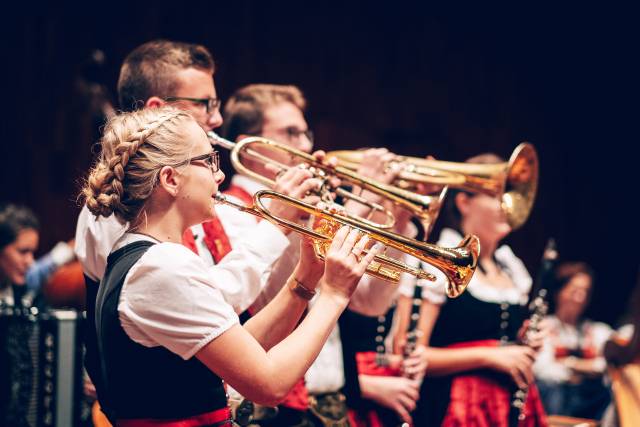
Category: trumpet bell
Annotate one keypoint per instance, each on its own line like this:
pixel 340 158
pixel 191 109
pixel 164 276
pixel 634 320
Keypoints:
pixel 514 182
pixel 521 185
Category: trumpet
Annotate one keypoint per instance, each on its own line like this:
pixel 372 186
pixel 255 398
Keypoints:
pixel 457 264
pixel 424 207
pixel 514 182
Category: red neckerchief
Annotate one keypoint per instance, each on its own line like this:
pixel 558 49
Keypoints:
pixel 214 237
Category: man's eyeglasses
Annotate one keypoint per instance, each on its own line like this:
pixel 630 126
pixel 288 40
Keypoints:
pixel 211 104
pixel 211 160
pixel 293 133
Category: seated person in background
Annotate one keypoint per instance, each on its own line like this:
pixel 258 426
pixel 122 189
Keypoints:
pixel 18 241
pixel 19 233
pixel 569 369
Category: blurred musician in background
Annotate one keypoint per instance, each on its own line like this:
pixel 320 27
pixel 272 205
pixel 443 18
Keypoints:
pixel 19 234
pixel 475 360
pixel 570 367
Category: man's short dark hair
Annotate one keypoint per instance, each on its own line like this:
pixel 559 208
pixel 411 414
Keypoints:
pixel 149 70
pixel 244 112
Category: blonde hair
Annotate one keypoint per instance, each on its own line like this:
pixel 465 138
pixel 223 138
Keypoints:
pixel 135 147
pixel 244 111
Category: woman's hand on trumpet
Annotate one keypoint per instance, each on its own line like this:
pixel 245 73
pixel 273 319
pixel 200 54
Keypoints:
pixel 377 164
pixel 298 182
pixel 346 262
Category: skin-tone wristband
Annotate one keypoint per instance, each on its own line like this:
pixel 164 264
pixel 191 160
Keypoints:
pixel 300 289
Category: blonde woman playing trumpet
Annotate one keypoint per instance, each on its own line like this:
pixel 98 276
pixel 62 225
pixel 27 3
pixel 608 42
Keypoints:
pixel 167 337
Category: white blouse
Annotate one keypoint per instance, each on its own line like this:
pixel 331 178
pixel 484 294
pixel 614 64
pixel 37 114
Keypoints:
pixel 171 299
pixel 255 248
pixel 591 334
pixel 435 292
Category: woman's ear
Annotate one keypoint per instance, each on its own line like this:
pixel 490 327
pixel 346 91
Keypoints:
pixel 169 180
pixel 154 102
pixel 462 203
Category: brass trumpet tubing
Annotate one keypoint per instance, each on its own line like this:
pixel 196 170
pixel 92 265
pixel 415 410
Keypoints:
pixel 414 201
pixel 458 263
pixel 420 205
pixel 383 267
pixel 324 191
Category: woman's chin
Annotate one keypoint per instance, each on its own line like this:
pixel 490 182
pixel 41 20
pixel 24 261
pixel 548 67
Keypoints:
pixel 19 279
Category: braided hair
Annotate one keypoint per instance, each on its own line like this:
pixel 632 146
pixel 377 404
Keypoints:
pixel 135 147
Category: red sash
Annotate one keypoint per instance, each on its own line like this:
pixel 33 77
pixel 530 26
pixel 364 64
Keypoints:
pixel 485 401
pixel 218 418
pixel 367 366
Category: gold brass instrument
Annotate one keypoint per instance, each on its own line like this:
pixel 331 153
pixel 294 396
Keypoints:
pixel 424 207
pixel 514 182
pixel 458 264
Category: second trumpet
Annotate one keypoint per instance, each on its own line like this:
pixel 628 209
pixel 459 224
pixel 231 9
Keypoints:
pixel 457 264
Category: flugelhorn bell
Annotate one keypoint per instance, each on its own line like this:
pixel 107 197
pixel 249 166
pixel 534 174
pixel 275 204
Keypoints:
pixel 457 264
pixel 514 182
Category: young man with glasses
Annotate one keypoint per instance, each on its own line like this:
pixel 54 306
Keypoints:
pixel 154 74
pixel 276 112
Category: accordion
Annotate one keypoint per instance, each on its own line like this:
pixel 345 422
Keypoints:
pixel 41 368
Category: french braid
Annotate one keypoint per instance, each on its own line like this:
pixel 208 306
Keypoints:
pixel 134 147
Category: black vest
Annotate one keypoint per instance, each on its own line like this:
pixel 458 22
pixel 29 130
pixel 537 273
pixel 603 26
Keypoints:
pixel 463 319
pixel 142 382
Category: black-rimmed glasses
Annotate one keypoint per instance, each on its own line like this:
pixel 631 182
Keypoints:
pixel 211 160
pixel 211 104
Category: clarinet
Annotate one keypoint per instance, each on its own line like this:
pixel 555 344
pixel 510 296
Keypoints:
pixel 413 333
pixel 538 309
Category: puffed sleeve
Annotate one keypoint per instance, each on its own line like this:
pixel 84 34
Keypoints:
pixel 94 238
pixel 171 299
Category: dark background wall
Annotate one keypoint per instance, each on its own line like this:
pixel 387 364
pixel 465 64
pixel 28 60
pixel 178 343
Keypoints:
pixel 416 80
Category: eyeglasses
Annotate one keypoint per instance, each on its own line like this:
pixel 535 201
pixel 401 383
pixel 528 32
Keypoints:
pixel 210 104
pixel 293 133
pixel 211 160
